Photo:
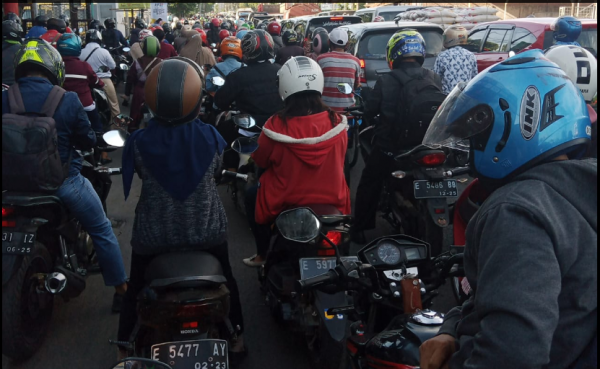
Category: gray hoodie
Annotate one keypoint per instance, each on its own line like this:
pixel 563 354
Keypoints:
pixel 531 258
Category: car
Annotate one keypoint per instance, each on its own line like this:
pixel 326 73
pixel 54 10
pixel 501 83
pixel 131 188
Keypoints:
pixel 304 26
pixel 493 41
pixel 387 12
pixel 368 42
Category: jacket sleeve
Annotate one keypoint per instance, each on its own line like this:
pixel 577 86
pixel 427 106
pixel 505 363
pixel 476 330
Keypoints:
pixel 122 39
pixel 82 134
pixel 373 104
pixel 173 52
pixel 262 156
pixel 110 62
pixel 474 69
pixel 228 93
pixel 209 85
pixel 93 80
pixel 438 67
pixel 517 293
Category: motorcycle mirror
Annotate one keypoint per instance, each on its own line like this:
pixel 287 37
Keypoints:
pixel 511 54
pixel 139 363
pixel 218 81
pixel 244 121
pixel 126 49
pixel 344 88
pixel 124 66
pixel 80 30
pixel 213 45
pixel 299 225
pixel 245 145
pixel 116 138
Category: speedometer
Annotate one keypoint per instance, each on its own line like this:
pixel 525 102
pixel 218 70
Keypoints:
pixel 389 253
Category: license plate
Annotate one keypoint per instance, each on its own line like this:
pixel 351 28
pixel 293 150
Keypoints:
pixel 201 354
pixel 17 243
pixel 314 267
pixel 430 189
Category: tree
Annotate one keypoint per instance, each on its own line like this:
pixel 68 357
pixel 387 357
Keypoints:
pixel 182 9
pixel 253 6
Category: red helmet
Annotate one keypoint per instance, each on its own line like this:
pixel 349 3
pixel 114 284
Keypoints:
pixel 215 22
pixel 203 35
pixel 274 29
pixel 224 34
pixel 155 28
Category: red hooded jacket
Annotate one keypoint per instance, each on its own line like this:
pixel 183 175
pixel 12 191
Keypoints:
pixel 166 51
pixel 81 78
pixel 51 36
pixel 304 162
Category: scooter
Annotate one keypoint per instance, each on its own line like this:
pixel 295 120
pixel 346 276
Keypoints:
pixel 391 302
pixel 45 253
pixel 183 312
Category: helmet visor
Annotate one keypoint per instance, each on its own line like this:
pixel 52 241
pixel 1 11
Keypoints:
pixel 459 118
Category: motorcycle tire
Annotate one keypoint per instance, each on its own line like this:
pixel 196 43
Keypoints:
pixel 25 321
pixel 324 351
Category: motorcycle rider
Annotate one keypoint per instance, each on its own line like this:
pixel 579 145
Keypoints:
pixel 66 19
pixel 56 27
pixel 567 30
pixel 112 37
pixel 191 216
pixel 11 43
pixel 320 43
pixel 302 148
pixel 291 48
pixel 193 49
pixel 39 27
pixel 169 37
pixel 231 52
pixel 166 50
pixel 455 64
pixel 253 87
pixel 405 54
pixel 339 67
pixel 98 57
pixel 136 49
pixel 135 33
pixel 36 76
pixel 531 254
pixel 136 78
pixel 274 30
pixel 97 25
pixel 213 31
pixel 177 31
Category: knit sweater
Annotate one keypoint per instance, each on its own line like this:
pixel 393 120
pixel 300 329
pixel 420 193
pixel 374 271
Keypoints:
pixel 163 224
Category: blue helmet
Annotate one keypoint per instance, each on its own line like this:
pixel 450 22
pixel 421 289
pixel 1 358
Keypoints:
pixel 406 43
pixel 567 29
pixel 513 116
pixel 240 34
pixel 69 44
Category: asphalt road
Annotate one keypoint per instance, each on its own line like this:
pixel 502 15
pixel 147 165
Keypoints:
pixel 80 329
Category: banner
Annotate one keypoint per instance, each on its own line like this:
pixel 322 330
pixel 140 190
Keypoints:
pixel 325 7
pixel 158 10
pixel 134 6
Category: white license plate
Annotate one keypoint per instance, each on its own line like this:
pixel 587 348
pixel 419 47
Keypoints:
pixel 201 354
pixel 314 267
pixel 17 243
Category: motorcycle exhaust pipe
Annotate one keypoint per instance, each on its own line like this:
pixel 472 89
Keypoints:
pixel 65 283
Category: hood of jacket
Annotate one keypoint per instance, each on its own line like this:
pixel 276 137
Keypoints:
pixel 309 138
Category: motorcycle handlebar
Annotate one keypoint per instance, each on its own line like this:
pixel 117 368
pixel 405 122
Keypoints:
pixel 115 171
pixel 457 172
pixel 243 177
pixel 311 283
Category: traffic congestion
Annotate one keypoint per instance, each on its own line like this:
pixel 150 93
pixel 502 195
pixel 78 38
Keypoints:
pixel 386 187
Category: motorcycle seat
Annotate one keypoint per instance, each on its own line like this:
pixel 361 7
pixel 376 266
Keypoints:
pixel 328 214
pixel 177 270
pixel 29 199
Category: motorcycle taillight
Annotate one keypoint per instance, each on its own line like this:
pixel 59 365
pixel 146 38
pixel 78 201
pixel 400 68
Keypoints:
pixel 195 311
pixel 7 211
pixel 325 248
pixel 432 160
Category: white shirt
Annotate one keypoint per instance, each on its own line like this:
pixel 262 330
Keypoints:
pixel 98 59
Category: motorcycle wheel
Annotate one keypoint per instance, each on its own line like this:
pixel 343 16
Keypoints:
pixel 324 351
pixel 25 312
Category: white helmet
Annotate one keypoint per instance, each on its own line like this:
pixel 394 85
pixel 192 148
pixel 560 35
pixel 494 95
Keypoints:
pixel 454 36
pixel 300 74
pixel 580 65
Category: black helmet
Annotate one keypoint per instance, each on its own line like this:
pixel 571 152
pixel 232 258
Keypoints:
pixel 11 31
pixel 178 25
pixel 39 55
pixel 109 23
pixel 57 25
pixel 65 18
pixel 257 46
pixel 12 17
pixel 290 37
pixel 95 24
pixel 185 22
pixel 93 35
pixel 176 97
pixel 225 25
pixel 139 23
pixel 197 25
pixel 40 20
pixel 166 27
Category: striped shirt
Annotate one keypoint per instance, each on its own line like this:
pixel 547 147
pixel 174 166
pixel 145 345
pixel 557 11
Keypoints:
pixel 338 67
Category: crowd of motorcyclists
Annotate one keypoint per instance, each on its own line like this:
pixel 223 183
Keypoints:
pixel 531 255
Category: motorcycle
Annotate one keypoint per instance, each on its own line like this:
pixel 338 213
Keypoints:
pixel 415 195
pixel 354 115
pixel 123 63
pixel 391 303
pixel 292 257
pixel 140 363
pixel 183 312
pixel 45 253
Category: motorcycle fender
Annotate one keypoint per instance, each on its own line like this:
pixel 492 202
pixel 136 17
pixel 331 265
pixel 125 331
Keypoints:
pixel 336 325
pixel 443 219
pixel 10 265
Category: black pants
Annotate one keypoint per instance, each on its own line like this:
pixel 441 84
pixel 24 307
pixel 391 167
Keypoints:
pixel 95 121
pixel 262 233
pixel 377 167
pixel 139 263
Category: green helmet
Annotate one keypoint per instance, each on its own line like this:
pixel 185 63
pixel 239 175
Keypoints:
pixel 37 54
pixel 151 46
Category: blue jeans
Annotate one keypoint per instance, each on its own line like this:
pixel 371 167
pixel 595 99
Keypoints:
pixel 83 202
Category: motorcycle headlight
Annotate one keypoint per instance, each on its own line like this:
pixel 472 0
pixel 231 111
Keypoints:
pixel 124 66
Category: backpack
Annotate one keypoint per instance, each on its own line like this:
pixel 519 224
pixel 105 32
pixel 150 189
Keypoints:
pixel 30 157
pixel 420 99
